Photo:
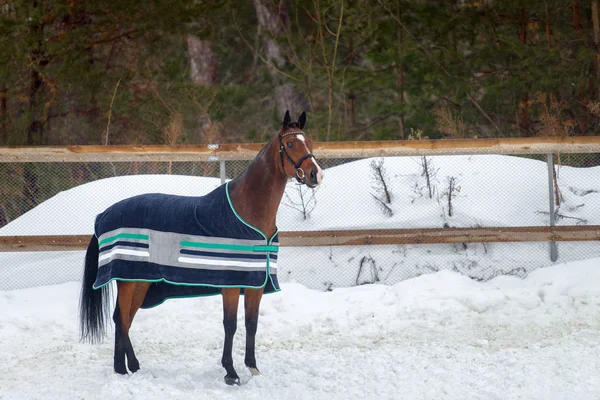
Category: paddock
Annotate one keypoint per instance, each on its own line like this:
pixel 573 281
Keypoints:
pixel 457 331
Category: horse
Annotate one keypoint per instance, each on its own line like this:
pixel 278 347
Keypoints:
pixel 158 246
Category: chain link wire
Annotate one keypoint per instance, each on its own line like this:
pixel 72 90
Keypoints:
pixel 377 193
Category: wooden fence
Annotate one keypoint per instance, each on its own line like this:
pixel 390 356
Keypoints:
pixel 324 150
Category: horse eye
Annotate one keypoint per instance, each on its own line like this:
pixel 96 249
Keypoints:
pixel 290 145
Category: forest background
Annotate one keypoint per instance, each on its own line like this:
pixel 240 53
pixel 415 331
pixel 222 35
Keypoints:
pixel 192 71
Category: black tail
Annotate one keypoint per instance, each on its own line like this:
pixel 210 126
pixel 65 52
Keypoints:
pixel 93 304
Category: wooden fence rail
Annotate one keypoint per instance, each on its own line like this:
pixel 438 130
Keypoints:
pixel 247 151
pixel 354 237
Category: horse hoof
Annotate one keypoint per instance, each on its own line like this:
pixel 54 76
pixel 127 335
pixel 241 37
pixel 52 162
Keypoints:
pixel 254 371
pixel 121 370
pixel 133 365
pixel 232 380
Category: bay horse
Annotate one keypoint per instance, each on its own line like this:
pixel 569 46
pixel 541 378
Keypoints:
pixel 158 246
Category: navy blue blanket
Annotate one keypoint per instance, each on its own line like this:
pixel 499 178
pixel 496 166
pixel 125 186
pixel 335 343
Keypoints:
pixel 186 246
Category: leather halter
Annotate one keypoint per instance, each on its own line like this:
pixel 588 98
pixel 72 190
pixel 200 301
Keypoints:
pixel 299 171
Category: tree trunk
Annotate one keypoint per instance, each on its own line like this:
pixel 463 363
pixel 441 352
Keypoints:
pixel 548 28
pixel 400 73
pixel 35 129
pixel 31 189
pixel 350 103
pixel 274 21
pixel 576 17
pixel 203 71
pixel 3 116
pixel 451 33
pixel 203 63
pixel 524 122
pixel 3 217
pixel 585 93
pixel 596 23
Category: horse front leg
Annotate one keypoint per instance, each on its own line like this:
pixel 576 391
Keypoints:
pixel 230 306
pixel 252 299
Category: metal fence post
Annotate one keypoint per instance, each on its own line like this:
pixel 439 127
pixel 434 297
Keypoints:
pixel 222 171
pixel 216 157
pixel 553 246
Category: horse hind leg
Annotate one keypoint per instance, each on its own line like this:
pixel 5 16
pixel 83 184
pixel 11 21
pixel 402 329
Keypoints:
pixel 230 305
pixel 119 354
pixel 129 300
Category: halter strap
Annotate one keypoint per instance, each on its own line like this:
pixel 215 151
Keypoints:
pixel 299 171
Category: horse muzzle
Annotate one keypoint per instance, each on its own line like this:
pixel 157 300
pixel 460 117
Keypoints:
pixel 313 179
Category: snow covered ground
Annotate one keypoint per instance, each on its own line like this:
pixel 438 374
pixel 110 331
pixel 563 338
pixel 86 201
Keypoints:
pixel 438 336
pixel 434 336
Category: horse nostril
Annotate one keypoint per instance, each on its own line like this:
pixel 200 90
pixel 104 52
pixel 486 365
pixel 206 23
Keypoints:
pixel 313 177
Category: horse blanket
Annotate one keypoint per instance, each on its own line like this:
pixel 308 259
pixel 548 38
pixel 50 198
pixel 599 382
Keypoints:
pixel 186 246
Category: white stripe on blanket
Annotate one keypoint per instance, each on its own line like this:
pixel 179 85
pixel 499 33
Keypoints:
pixel 129 252
pixel 227 262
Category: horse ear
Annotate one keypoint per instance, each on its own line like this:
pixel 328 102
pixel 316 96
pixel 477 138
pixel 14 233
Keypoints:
pixel 302 120
pixel 286 119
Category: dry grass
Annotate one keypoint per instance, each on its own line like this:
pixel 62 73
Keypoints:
pixel 594 107
pixel 551 116
pixel 416 134
pixel 174 132
pixel 211 132
pixel 449 124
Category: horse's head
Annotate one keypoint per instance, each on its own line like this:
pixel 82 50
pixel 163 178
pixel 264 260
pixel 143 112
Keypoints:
pixel 295 149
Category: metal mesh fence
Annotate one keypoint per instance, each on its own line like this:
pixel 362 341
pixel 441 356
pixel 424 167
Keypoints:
pixel 376 193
